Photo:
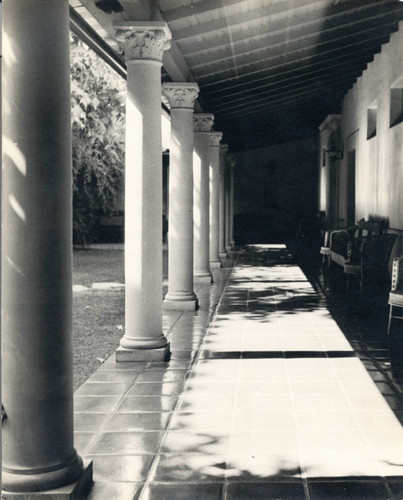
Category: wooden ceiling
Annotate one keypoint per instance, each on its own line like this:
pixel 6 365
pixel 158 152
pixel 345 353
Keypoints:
pixel 269 70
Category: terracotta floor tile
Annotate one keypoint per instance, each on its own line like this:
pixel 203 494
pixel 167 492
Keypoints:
pixel 110 490
pixel 274 401
pixel 95 404
pixel 147 403
pixel 201 421
pixel 325 464
pixel 206 402
pixel 126 443
pixel 256 421
pixel 267 441
pixel 162 376
pixel 348 490
pixel 190 468
pixel 315 420
pixel 114 376
pixel 90 421
pixel 214 442
pixel 155 389
pixel 102 389
pixel 178 491
pixel 263 467
pixel 121 469
pixel 266 490
pixel 129 422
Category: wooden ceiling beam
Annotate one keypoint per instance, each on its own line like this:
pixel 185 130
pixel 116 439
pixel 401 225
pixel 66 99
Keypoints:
pixel 271 17
pixel 286 66
pixel 302 36
pixel 268 108
pixel 205 8
pixel 292 52
pixel 237 91
pixel 289 97
pixel 318 83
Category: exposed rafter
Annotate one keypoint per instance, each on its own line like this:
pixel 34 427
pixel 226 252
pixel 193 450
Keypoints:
pixel 257 60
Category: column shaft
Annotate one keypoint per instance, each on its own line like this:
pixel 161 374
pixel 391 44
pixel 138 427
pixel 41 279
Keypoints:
pixel 201 193
pixel 231 187
pixel 215 138
pixel 143 338
pixel 221 241
pixel 180 234
pixel 38 451
pixel 227 208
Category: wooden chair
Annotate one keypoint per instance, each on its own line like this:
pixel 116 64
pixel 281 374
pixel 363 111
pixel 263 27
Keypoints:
pixel 325 249
pixel 396 293
pixel 372 259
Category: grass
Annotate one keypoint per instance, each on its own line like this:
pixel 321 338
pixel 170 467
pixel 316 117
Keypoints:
pixel 98 315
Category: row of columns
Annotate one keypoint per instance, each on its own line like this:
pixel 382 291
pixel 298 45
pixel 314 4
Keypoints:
pixel 196 214
pixel 38 449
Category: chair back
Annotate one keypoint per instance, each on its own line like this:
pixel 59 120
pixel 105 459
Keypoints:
pixel 397 274
pixel 368 228
pixel 376 252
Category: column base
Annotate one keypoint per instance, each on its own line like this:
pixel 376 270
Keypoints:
pixel 232 243
pixel 203 278
pixel 180 305
pixel 75 491
pixel 159 354
pixel 223 255
pixel 215 264
pixel 228 249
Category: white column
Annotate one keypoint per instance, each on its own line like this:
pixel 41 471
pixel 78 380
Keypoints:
pixel 143 44
pixel 222 253
pixel 227 205
pixel 38 451
pixel 215 138
pixel 201 197
pixel 180 293
pixel 231 187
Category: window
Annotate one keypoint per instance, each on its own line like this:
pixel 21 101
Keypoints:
pixel 396 106
pixel 371 120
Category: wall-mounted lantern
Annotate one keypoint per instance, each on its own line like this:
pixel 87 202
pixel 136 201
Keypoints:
pixel 334 154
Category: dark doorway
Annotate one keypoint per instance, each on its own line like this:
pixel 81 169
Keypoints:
pixel 351 188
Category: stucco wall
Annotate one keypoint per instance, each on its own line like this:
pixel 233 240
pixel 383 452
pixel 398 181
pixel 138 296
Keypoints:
pixel 379 160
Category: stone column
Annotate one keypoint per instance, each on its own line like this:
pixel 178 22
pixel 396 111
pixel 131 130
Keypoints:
pixel 180 293
pixel 143 44
pixel 231 192
pixel 201 193
pixel 227 205
pixel 221 223
pixel 38 451
pixel 215 138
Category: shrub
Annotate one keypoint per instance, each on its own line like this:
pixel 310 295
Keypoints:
pixel 98 133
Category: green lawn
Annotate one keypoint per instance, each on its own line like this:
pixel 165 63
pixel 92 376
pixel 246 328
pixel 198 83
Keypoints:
pixel 98 315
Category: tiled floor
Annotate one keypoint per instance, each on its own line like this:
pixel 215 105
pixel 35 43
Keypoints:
pixel 264 400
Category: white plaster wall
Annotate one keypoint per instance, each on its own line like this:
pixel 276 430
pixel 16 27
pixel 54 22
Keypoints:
pixel 379 161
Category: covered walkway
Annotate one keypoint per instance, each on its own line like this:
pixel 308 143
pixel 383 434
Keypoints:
pixel 265 399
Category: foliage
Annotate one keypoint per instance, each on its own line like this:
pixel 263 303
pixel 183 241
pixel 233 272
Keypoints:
pixel 98 116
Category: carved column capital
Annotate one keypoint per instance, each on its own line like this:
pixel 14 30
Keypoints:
pixel 202 122
pixel 143 40
pixel 223 149
pixel 215 138
pixel 231 160
pixel 181 95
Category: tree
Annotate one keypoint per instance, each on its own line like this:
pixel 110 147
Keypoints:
pixel 98 130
